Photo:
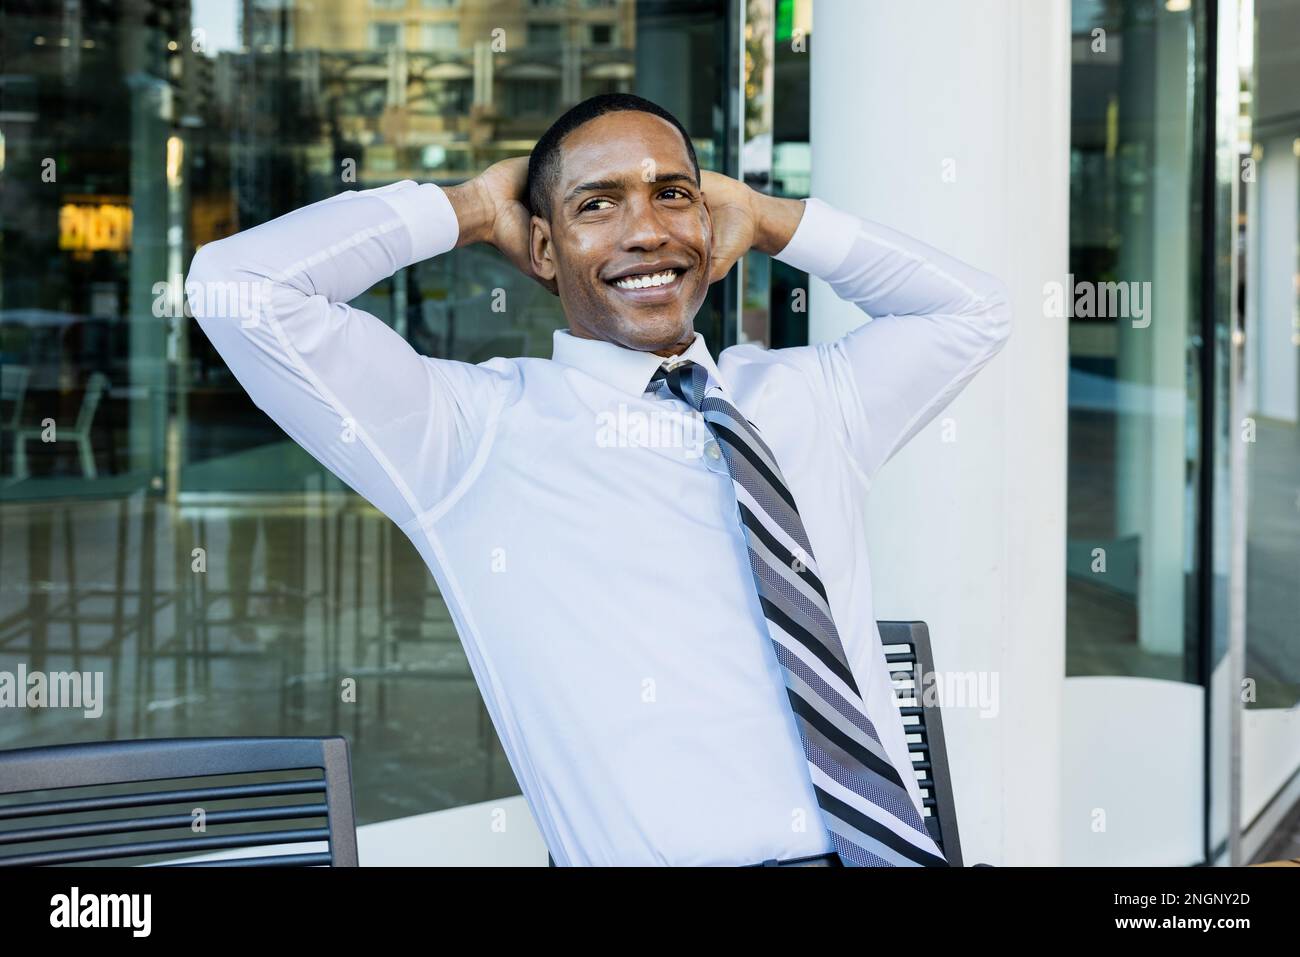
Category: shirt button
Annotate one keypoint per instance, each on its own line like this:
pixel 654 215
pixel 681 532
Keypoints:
pixel 711 450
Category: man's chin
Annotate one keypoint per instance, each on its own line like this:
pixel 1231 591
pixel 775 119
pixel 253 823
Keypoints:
pixel 655 337
pixel 666 346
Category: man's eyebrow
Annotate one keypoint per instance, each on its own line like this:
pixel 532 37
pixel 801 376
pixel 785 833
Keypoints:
pixel 601 185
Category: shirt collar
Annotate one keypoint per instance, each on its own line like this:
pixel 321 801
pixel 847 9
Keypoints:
pixel 628 370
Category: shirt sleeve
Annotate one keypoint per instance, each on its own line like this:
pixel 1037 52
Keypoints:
pixel 399 428
pixel 935 322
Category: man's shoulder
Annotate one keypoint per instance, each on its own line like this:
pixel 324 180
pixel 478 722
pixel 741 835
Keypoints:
pixel 510 376
pixel 752 359
pixel 505 367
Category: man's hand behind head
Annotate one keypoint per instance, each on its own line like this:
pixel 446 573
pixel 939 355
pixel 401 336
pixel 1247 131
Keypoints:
pixel 731 205
pixel 490 209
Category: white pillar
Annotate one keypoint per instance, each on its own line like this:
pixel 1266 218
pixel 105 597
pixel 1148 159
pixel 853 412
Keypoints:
pixel 1151 353
pixel 970 535
pixel 1276 322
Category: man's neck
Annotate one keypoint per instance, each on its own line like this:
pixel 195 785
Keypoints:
pixel 673 350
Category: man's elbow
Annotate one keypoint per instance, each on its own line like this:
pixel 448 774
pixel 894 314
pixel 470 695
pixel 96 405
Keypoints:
pixel 210 261
pixel 220 286
pixel 208 268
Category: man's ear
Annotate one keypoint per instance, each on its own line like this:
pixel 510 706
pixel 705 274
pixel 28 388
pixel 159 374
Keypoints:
pixel 540 252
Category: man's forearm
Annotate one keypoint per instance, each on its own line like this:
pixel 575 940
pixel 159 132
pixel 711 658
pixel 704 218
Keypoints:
pixel 473 212
pixel 775 223
pixel 274 302
pixel 936 320
pixel 336 248
pixel 886 271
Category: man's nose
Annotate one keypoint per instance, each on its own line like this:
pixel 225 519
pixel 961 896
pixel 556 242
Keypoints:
pixel 645 229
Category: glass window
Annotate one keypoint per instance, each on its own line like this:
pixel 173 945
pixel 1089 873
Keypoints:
pixel 776 159
pixel 1271 368
pixel 1134 316
pixel 157 526
pixel 544 34
pixel 385 35
pixel 441 36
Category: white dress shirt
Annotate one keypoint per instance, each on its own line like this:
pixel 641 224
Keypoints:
pixel 586 536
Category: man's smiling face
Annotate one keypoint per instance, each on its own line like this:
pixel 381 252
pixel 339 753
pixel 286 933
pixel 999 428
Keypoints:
pixel 629 236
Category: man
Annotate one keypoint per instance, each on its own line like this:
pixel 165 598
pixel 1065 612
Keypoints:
pixel 656 563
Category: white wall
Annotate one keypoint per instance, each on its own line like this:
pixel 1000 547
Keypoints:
pixel 498 833
pixel 1134 772
pixel 1270 756
pixel 970 535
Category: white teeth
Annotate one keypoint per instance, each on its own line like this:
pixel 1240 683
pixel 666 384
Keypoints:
pixel 645 282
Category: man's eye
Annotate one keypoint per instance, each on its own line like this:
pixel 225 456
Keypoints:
pixel 678 190
pixel 587 205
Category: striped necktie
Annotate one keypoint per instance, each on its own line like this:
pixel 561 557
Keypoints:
pixel 866 806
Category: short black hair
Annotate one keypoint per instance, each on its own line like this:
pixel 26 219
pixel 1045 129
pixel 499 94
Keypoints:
pixel 544 161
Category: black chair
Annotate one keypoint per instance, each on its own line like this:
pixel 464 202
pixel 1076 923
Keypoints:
pixel 907 651
pixel 266 785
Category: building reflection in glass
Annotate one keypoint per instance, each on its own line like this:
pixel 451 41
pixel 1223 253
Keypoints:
pixel 154 524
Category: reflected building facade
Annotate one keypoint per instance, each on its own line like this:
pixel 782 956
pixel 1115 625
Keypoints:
pixel 154 524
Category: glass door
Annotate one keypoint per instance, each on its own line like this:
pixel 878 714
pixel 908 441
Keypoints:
pixel 1141 443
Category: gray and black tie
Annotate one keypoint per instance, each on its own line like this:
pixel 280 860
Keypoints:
pixel 865 804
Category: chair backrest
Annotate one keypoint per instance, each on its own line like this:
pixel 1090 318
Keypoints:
pixel 13 388
pixel 907 650
pixel 253 788
pixel 96 384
